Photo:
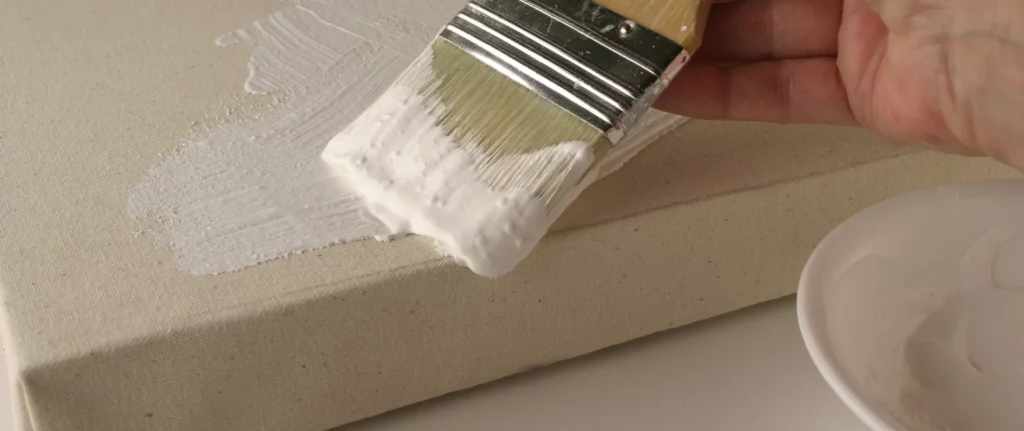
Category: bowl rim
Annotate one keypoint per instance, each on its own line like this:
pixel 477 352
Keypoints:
pixel 808 293
pixel 824 360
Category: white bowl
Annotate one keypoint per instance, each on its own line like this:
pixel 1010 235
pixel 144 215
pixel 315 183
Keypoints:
pixel 913 310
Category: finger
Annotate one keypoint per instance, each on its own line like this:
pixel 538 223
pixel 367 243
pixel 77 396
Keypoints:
pixel 784 91
pixel 772 29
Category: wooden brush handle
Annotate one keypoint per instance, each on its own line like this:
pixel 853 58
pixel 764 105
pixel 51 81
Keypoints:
pixel 680 20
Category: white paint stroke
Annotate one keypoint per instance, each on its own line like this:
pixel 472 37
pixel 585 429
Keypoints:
pixel 257 190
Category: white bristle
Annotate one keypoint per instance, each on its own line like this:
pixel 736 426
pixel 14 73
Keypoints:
pixel 425 168
pixel 458 151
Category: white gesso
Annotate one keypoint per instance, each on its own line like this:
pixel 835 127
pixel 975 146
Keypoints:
pixel 924 308
pixel 964 361
pixel 436 190
pixel 257 190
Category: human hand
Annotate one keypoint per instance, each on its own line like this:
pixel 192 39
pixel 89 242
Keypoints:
pixel 943 74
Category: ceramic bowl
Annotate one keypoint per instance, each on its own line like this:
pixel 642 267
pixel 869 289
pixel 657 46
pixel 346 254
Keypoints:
pixel 913 309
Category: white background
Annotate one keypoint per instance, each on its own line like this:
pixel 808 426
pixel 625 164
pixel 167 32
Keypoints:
pixel 744 371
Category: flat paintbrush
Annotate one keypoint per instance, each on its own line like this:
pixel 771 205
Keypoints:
pixel 487 137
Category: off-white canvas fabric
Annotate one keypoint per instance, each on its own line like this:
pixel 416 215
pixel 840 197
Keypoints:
pixel 104 332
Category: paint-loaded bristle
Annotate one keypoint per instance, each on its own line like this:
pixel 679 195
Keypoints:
pixel 489 135
pixel 496 118
pixel 456 151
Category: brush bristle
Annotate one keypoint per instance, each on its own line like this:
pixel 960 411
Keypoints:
pixel 489 114
pixel 466 153
pixel 456 151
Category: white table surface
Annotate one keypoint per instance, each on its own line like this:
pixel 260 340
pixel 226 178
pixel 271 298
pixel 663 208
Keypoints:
pixel 744 371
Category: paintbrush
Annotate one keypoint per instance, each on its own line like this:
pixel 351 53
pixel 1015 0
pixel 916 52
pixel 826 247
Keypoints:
pixel 486 138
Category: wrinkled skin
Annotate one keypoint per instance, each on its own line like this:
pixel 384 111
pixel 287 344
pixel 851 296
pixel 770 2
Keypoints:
pixel 942 74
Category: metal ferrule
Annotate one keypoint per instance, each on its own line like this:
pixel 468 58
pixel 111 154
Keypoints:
pixel 596 64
